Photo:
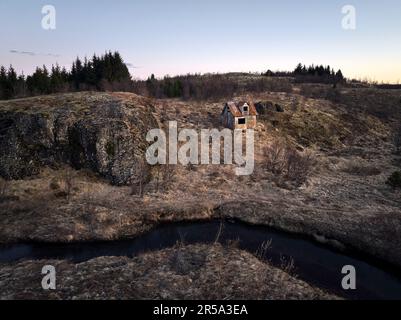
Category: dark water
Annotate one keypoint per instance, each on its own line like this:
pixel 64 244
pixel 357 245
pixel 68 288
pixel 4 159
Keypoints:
pixel 313 262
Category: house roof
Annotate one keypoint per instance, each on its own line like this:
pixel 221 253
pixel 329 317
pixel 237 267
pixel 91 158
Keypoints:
pixel 234 108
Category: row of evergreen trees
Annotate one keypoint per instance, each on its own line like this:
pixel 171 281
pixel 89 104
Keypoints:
pixel 109 72
pixel 10 83
pixel 320 73
pixel 105 72
pixel 312 73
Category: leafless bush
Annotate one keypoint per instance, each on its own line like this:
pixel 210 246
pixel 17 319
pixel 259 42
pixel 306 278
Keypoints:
pixel 178 260
pixel 262 250
pixel 168 176
pixel 164 176
pixel 88 212
pixel 139 178
pixel 4 188
pixel 287 265
pixel 274 156
pixel 68 184
pixel 298 165
pixel 157 174
pixel 287 163
pixel 63 184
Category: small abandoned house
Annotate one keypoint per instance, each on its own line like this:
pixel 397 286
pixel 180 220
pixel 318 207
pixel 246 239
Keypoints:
pixel 239 115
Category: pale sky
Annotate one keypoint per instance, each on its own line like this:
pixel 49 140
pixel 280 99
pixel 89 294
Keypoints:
pixel 181 36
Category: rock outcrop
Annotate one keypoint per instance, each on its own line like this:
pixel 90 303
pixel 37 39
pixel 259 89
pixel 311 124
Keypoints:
pixel 104 132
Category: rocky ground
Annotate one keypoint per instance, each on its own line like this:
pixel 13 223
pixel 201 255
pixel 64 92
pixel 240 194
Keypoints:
pixel 344 201
pixel 184 272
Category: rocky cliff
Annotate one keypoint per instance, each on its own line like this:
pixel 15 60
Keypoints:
pixel 104 132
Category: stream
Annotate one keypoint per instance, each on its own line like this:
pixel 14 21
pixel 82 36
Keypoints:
pixel 314 263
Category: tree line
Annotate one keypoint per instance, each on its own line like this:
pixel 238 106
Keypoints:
pixel 318 74
pixel 208 86
pixel 312 74
pixel 105 72
pixel 108 72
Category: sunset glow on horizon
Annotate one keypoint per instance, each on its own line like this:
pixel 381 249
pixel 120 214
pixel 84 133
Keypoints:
pixel 207 36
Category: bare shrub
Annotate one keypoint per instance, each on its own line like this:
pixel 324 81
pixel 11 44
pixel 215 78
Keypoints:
pixel 4 187
pixel 287 265
pixel 164 177
pixel 274 156
pixel 168 176
pixel 261 253
pixel 178 260
pixel 68 183
pixel 298 165
pixel 157 174
pixel 185 262
pixel 287 163
pixel 139 178
pixel 88 213
pixel 63 184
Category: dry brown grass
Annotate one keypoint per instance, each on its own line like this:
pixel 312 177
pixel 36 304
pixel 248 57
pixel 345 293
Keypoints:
pixel 362 170
pixel 63 184
pixel 194 191
pixel 288 164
